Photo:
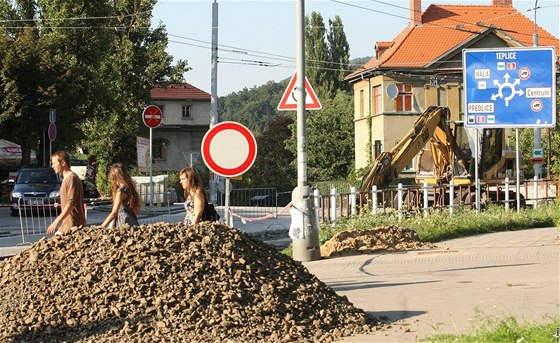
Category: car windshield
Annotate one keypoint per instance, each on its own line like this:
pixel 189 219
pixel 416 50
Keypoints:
pixel 37 176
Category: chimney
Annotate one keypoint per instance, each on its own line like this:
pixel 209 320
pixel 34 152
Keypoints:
pixel 416 13
pixel 503 3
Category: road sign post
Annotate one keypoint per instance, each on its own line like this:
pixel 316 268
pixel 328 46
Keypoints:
pixel 289 99
pixel 229 149
pixel 152 117
pixel 510 88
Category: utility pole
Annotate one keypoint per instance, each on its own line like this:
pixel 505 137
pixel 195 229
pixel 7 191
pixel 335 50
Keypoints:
pixel 537 131
pixel 213 185
pixel 304 228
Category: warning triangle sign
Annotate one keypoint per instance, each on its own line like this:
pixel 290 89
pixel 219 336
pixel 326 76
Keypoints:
pixel 289 99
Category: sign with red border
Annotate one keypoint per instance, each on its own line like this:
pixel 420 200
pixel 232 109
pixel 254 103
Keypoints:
pixel 152 116
pixel 52 131
pixel 289 99
pixel 229 149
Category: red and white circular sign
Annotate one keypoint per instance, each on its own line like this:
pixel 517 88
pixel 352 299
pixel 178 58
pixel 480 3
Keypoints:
pixel 229 149
pixel 152 116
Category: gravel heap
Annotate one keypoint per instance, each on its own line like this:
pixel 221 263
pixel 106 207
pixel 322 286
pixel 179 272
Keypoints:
pixel 167 283
pixel 383 238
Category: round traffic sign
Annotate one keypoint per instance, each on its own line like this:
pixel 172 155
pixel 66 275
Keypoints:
pixel 152 116
pixel 229 149
pixel 52 131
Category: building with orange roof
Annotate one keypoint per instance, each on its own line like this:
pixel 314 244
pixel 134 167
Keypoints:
pixel 422 66
pixel 186 118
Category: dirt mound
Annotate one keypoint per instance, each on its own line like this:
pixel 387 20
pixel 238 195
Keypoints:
pixel 389 238
pixel 171 283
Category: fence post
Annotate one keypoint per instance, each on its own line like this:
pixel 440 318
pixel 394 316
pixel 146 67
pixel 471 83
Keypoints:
pixel 353 201
pixel 425 190
pixel 317 204
pixel 536 191
pixel 399 200
pixel 333 204
pixel 451 196
pixel 507 193
pixel 374 200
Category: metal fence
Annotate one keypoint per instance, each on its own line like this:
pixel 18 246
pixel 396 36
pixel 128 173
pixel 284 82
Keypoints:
pixel 413 198
pixel 254 204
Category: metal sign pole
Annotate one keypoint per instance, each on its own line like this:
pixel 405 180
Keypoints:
pixel 517 179
pixel 151 181
pixel 476 178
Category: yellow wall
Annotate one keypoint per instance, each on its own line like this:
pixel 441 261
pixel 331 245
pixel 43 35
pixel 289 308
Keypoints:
pixel 391 126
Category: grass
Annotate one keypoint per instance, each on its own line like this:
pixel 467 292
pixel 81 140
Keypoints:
pixel 440 225
pixel 506 330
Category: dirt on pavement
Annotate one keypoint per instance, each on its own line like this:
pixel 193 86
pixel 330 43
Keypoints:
pixel 383 238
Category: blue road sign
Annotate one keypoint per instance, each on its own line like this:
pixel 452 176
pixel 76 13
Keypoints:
pixel 510 87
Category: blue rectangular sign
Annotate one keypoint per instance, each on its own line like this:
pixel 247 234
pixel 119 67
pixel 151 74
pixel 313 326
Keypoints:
pixel 510 87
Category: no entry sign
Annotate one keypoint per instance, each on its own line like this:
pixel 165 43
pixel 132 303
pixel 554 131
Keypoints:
pixel 152 116
pixel 229 149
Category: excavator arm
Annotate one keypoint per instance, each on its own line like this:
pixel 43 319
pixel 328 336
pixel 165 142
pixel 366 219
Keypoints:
pixel 430 126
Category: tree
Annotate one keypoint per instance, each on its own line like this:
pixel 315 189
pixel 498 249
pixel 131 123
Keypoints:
pixel 93 62
pixel 339 56
pixel 254 107
pixel 330 139
pixel 273 165
pixel 316 54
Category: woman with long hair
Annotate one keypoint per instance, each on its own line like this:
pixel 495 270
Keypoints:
pixel 195 195
pixel 126 201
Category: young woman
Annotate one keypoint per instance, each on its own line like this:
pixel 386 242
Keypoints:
pixel 126 201
pixel 195 195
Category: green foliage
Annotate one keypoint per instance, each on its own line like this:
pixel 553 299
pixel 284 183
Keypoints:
pixel 173 182
pixel 254 107
pixel 440 225
pixel 495 330
pixel 330 139
pixel 273 165
pixel 98 79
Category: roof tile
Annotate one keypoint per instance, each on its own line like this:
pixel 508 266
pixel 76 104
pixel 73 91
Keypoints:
pixel 178 91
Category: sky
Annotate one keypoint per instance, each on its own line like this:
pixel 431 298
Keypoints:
pixel 257 39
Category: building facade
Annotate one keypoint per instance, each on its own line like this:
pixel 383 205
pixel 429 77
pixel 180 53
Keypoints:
pixel 186 119
pixel 422 67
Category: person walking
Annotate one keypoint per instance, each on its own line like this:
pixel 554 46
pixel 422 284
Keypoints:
pixel 71 196
pixel 126 201
pixel 195 195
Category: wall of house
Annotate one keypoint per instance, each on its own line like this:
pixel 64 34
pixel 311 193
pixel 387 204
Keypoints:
pixel 182 136
pixel 173 112
pixel 390 126
pixel 183 147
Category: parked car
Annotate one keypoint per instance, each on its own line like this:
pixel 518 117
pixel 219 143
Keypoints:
pixel 36 189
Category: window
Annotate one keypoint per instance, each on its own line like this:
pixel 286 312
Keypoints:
pixel 377 149
pixel 361 102
pixel 158 148
pixel 377 108
pixel 404 98
pixel 186 112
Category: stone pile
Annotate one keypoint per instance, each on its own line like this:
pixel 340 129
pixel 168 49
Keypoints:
pixel 383 238
pixel 167 283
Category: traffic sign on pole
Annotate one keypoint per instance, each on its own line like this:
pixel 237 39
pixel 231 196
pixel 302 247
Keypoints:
pixel 52 131
pixel 152 116
pixel 289 99
pixel 510 87
pixel 229 149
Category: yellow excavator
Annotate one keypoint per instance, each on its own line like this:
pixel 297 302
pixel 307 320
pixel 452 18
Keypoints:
pixel 451 157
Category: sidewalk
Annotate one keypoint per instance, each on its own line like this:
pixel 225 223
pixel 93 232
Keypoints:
pixel 454 288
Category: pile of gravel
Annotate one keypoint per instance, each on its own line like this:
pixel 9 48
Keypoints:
pixel 383 238
pixel 172 283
